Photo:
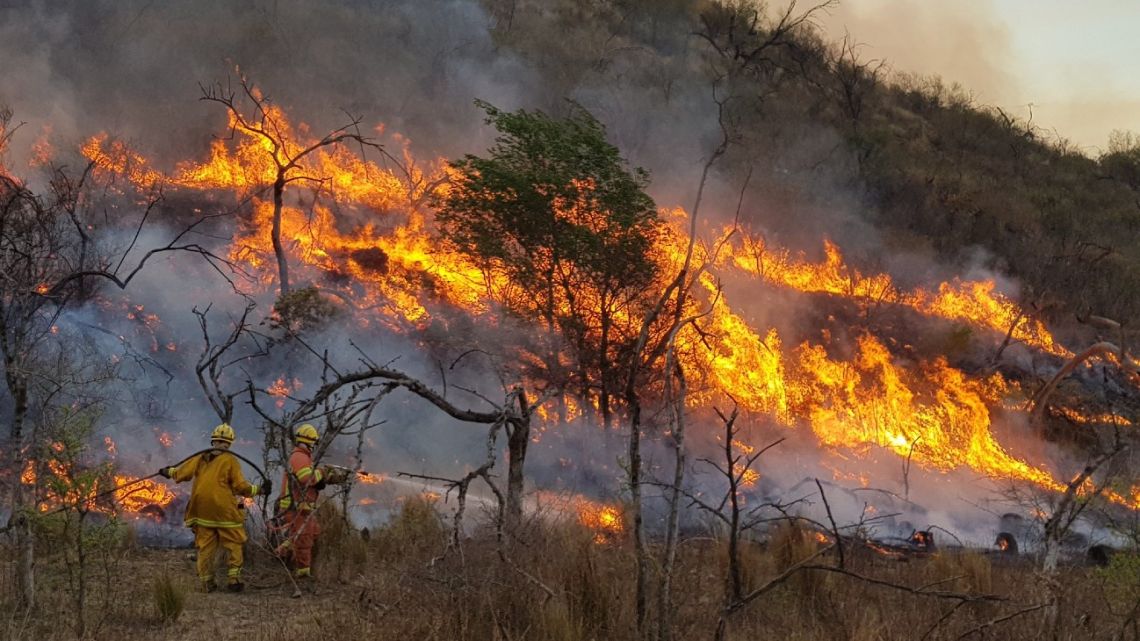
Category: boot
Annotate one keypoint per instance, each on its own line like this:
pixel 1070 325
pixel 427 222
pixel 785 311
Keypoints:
pixel 303 580
pixel 235 586
pixel 209 585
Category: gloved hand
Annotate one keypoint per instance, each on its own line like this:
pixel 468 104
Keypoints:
pixel 165 472
pixel 266 488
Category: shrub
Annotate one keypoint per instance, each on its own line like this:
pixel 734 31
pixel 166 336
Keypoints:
pixel 416 530
pixel 339 545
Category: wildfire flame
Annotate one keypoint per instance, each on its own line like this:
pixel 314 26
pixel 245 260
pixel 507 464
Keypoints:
pixel 370 479
pixel 129 496
pixel 974 302
pixel 389 266
pixel 141 495
pixel 604 520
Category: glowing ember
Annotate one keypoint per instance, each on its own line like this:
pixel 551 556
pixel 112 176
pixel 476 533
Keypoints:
pixel 282 389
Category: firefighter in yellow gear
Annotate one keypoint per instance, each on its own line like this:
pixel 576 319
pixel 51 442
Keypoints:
pixel 213 511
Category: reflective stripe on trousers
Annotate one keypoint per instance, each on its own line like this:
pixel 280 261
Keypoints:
pixel 209 539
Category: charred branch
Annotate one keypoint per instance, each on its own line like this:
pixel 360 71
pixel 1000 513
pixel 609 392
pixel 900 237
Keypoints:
pixel 286 154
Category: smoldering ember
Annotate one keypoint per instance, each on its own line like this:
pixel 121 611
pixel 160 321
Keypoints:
pixel 553 320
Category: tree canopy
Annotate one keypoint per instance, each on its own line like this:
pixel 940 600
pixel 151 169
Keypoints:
pixel 555 211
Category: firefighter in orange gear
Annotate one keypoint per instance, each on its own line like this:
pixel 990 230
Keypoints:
pixel 299 488
pixel 213 511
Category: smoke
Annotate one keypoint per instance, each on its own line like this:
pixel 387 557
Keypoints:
pixel 964 42
pixel 1033 61
pixel 133 68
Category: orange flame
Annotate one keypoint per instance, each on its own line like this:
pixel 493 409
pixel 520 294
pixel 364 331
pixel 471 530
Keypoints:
pixel 974 302
pixel 389 265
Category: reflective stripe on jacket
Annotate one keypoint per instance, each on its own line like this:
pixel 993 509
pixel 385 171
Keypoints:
pixel 218 482
pixel 299 491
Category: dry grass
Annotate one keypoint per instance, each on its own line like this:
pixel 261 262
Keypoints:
pixel 403 583
pixel 169 598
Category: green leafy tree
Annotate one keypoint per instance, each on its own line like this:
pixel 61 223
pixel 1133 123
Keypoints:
pixel 562 229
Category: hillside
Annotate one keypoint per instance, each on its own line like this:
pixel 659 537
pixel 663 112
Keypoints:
pixel 923 163
pixel 562 319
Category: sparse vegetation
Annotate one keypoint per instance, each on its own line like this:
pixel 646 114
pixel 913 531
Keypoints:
pixel 405 587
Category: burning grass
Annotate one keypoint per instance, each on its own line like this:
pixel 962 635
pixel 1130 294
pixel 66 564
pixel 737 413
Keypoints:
pixel 373 242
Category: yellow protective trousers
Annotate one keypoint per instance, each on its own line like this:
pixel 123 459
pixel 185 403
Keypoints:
pixel 208 539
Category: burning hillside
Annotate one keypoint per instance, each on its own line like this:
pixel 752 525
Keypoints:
pixel 359 227
pixel 550 319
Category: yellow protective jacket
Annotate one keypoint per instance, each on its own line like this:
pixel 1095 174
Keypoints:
pixel 218 482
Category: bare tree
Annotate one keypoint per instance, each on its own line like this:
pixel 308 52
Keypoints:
pixel 215 360
pixel 52 253
pixel 1117 353
pixel 289 157
pixel 855 79
pixel 354 392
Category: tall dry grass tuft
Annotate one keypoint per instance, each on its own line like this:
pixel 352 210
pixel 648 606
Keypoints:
pixel 416 531
pixel 962 571
pixel 169 598
pixel 339 548
pixel 587 570
pixel 788 544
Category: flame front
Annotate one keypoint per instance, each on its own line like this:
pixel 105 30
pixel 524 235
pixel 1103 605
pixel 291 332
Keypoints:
pixel 974 302
pixel 388 265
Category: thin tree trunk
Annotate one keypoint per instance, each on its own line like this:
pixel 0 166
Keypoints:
pixel 604 369
pixel 81 588
pixel 672 528
pixel 518 440
pixel 23 506
pixel 278 247
pixel 639 546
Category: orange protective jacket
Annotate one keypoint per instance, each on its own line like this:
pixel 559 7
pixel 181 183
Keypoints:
pixel 218 482
pixel 299 484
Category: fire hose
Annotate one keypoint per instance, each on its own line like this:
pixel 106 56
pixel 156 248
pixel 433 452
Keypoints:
pixel 12 521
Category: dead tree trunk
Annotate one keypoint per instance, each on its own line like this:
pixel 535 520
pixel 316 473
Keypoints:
pixel 639 546
pixel 518 438
pixel 23 498
pixel 1068 509
pixel 1100 349
pixel 672 524
pixel 278 247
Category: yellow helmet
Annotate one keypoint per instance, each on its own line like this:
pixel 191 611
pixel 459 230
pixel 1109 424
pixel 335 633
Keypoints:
pixel 306 434
pixel 223 432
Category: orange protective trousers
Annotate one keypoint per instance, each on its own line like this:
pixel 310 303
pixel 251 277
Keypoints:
pixel 208 540
pixel 302 529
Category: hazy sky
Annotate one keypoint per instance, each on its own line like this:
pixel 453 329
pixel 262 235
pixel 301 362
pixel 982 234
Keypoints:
pixel 1078 63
